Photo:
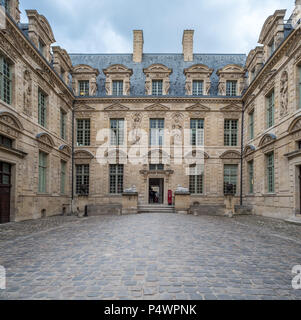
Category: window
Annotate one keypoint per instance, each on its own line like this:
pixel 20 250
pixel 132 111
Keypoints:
pixel 157 89
pixel 82 179
pixel 230 177
pixel 197 87
pixel 299 68
pixel 42 109
pixel 117 132
pixel 42 47
pixel 197 132
pixel 83 132
pixel 63 124
pixel 270 172
pixel 6 142
pixel 83 88
pixel 231 88
pixel 196 174
pixel 231 133
pixel 251 125
pixel 156 132
pixel 5 80
pixel 63 176
pixel 156 167
pixel 270 109
pixel 5 173
pixel 251 176
pixel 117 88
pixel 116 178
pixel 42 171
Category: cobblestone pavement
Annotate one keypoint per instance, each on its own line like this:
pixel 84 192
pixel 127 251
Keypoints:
pixel 150 256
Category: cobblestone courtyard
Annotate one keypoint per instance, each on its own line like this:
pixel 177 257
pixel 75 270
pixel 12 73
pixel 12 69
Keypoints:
pixel 150 256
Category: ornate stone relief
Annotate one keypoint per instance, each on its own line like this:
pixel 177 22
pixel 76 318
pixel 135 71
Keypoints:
pixel 230 155
pixel 284 94
pixel 27 95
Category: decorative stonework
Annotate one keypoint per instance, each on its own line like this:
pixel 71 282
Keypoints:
pixel 229 73
pixel 267 139
pixel 10 125
pixel 156 107
pixel 198 72
pixel 157 72
pixel 283 94
pixel 118 72
pixel 231 155
pixel 84 72
pixel 83 154
pixel 45 142
pixel 198 107
pixel 116 107
pixel 66 150
pixel 27 95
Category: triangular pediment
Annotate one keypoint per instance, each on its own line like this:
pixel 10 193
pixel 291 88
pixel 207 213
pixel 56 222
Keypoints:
pixel 157 68
pixel 83 107
pixel 198 107
pixel 232 108
pixel 117 107
pixel 156 107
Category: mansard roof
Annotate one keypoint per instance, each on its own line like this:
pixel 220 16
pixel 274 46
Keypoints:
pixel 174 62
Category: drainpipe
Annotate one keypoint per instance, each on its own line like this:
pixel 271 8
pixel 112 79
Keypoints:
pixel 72 170
pixel 242 150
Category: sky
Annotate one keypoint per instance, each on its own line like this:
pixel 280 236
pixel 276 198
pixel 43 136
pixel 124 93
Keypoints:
pixel 106 26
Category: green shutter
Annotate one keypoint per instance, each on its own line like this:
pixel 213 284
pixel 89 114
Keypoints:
pixel 270 173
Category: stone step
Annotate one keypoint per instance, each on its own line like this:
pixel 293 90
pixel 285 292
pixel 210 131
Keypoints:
pixel 295 220
pixel 156 208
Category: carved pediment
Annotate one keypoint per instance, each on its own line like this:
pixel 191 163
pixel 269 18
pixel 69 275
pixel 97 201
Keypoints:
pixel 84 68
pixel 117 68
pixel 45 139
pixel 83 107
pixel 232 108
pixel 198 107
pixel 199 68
pixel 231 68
pixel 83 154
pixel 10 120
pixel 295 125
pixel 157 107
pixel 160 68
pixel 249 149
pixel 232 154
pixel 65 149
pixel 267 139
pixel 46 28
pixel 250 99
pixel 116 107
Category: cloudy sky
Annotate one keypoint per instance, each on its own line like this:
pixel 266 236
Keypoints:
pixel 105 26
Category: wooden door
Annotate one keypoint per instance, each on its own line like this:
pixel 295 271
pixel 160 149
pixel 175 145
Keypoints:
pixel 5 187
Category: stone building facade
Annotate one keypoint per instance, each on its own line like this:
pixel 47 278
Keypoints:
pixel 81 129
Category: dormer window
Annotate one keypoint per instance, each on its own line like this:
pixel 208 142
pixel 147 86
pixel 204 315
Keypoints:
pixel 117 88
pixel 231 88
pixel 197 87
pixel 83 88
pixel 271 47
pixel 42 47
pixel 157 87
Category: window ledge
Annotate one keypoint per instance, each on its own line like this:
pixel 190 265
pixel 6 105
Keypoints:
pixel 270 194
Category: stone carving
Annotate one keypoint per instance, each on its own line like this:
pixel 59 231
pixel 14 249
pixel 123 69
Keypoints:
pixel 221 89
pixel 188 88
pixel 108 88
pixel 230 155
pixel 208 87
pixel 127 88
pixel 267 139
pixel 137 118
pixel 283 93
pixel 93 88
pixel 27 95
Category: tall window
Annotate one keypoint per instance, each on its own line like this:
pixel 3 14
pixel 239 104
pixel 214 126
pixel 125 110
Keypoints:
pixel 82 179
pixel 117 132
pixel 42 109
pixel 117 88
pixel 251 125
pixel 231 133
pixel 63 124
pixel 6 4
pixel 157 87
pixel 6 142
pixel 156 132
pixel 231 88
pixel 270 172
pixel 63 176
pixel 83 88
pixel 197 87
pixel 116 178
pixel 197 132
pixel 5 80
pixel 42 171
pixel 270 109
pixel 230 176
pixel 196 180
pixel 299 68
pixel 251 176
pixel 83 132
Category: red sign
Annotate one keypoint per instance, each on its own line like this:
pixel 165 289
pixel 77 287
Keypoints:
pixel 169 197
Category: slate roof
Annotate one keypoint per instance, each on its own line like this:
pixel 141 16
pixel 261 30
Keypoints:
pixel 173 61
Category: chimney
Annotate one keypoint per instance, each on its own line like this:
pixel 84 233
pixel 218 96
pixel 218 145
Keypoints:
pixel 138 46
pixel 188 45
